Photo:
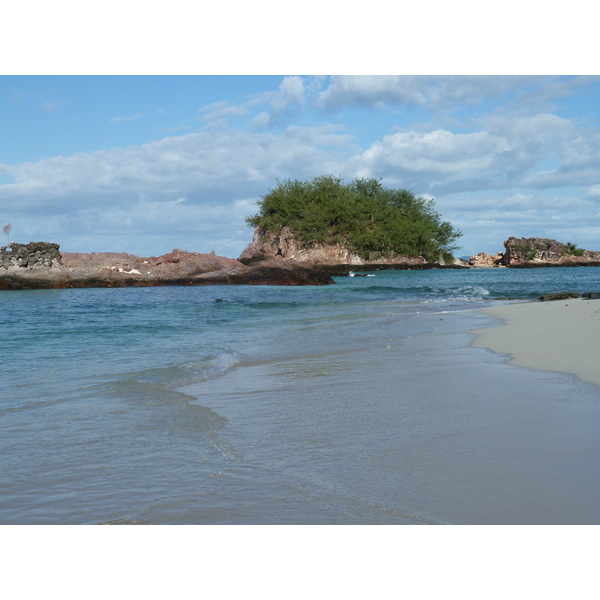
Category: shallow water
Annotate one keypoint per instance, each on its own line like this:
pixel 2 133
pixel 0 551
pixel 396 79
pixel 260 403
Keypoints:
pixel 359 403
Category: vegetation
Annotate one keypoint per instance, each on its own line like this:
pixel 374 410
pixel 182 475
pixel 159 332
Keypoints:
pixel 572 250
pixel 532 250
pixel 369 219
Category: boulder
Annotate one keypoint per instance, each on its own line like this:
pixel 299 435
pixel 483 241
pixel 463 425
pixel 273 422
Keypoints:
pixel 485 260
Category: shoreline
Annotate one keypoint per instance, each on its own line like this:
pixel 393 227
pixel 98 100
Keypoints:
pixel 559 336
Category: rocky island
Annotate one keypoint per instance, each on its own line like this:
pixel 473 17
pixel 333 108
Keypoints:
pixel 530 253
pixel 331 225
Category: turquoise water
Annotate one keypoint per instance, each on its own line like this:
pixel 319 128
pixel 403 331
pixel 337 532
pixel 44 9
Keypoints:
pixel 360 402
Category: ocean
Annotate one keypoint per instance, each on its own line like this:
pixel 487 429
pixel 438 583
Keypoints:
pixel 361 402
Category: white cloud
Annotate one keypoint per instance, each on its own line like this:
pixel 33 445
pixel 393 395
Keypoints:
pixel 282 104
pixel 411 90
pixel 503 153
pixel 137 190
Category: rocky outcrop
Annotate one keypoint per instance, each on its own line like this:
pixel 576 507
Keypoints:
pixel 40 265
pixel 537 252
pixel 545 251
pixel 284 245
pixel 32 256
pixel 485 260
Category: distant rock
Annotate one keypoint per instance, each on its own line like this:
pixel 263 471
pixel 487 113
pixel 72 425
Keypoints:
pixel 543 251
pixel 537 252
pixel 485 260
pixel 40 265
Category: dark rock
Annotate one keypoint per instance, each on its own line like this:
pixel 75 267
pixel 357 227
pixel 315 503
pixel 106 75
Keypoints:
pixel 559 296
pixel 269 272
pixel 591 295
pixel 32 255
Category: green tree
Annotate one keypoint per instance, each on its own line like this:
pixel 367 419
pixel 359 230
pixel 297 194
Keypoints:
pixel 366 217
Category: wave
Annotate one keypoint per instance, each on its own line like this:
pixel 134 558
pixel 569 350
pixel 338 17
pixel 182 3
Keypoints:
pixel 163 383
pixel 466 293
pixel 423 293
pixel 180 375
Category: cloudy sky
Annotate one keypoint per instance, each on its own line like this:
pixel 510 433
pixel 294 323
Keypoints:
pixel 145 164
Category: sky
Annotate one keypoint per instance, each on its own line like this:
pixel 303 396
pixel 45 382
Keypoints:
pixel 128 128
pixel 145 164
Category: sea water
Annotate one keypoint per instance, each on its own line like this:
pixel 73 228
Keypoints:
pixel 361 402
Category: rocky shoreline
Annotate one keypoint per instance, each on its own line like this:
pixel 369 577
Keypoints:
pixel 40 265
pixel 269 259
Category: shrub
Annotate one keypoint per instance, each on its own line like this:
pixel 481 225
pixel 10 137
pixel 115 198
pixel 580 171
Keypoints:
pixel 572 250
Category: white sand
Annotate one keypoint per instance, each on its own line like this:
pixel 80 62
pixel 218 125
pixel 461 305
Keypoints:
pixel 562 335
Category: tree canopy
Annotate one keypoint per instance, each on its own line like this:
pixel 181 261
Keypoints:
pixel 369 219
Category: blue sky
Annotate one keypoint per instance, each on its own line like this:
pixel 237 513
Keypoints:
pixel 145 164
pixel 128 127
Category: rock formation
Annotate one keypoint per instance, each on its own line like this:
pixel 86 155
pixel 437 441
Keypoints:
pixel 284 245
pixel 41 265
pixel 33 255
pixel 529 251
pixel 485 260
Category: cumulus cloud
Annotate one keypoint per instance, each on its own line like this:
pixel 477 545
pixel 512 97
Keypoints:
pixel 276 107
pixel 544 94
pixel 410 90
pixel 211 170
pixel 282 104
pixel 505 152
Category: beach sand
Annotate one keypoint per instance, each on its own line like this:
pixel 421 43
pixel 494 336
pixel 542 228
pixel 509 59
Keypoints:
pixel 561 336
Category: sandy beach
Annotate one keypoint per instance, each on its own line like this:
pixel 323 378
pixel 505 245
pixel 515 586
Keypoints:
pixel 561 336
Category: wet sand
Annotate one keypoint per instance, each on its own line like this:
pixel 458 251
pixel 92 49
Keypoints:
pixel 561 336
